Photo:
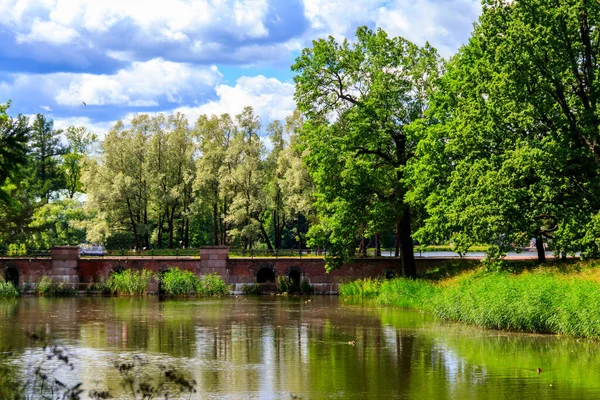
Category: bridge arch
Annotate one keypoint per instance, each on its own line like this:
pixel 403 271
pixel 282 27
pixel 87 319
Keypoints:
pixel 12 275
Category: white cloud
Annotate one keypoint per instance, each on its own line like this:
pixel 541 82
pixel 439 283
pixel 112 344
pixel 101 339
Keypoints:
pixel 270 98
pixel 98 127
pixel 445 24
pixel 242 18
pixel 48 32
pixel 142 84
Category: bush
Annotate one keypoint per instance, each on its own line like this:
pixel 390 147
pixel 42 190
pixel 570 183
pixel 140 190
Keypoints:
pixel 213 285
pixel 130 282
pixel 177 282
pixel 8 290
pixel 47 288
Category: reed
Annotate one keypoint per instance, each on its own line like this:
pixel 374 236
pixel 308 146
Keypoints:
pixel 557 299
pixel 8 290
pixel 48 288
pixel 177 282
pixel 130 282
pixel 213 285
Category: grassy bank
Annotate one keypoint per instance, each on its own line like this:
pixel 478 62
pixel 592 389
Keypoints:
pixel 562 299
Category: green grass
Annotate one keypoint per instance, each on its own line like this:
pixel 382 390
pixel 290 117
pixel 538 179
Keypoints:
pixel 130 282
pixel 561 299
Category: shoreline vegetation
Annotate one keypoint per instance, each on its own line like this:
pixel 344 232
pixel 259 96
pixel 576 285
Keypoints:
pixel 557 298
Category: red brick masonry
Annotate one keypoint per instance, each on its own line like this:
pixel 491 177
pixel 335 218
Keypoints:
pixel 64 265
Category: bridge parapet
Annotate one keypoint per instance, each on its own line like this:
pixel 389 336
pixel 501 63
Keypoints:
pixel 213 259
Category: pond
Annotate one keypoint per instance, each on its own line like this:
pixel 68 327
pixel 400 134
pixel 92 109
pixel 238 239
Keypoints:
pixel 284 348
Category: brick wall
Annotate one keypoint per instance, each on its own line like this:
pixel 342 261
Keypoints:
pixel 66 266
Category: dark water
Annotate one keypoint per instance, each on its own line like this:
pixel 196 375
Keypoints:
pixel 284 348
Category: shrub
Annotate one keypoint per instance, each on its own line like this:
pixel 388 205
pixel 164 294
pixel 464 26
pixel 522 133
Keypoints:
pixel 47 288
pixel 213 285
pixel 8 290
pixel 177 282
pixel 130 282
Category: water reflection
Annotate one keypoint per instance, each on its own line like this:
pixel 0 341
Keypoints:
pixel 274 347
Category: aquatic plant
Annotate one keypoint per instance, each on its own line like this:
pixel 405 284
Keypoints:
pixel 8 290
pixel 253 289
pixel 366 288
pixel 213 285
pixel 177 282
pixel 130 282
pixel 542 300
pixel 48 288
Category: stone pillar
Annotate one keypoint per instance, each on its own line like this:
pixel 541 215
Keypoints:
pixel 214 259
pixel 64 265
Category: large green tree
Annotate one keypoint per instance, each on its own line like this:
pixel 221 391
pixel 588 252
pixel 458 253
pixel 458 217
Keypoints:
pixel 360 99
pixel 513 152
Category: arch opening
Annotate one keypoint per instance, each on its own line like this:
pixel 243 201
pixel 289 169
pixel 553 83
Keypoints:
pixel 295 280
pixel 265 275
pixel 12 275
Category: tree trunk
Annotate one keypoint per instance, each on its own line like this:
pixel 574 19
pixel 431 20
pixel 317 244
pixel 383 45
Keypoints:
pixel 363 243
pixel 160 224
pixel 265 236
pixel 397 244
pixel 186 237
pixel 215 224
pixel 408 256
pixel 378 244
pixel 539 245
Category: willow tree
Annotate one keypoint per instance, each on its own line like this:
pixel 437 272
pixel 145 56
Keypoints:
pixel 117 184
pixel 214 135
pixel 360 99
pixel 514 150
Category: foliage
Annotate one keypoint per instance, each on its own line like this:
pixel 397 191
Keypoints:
pixel 177 282
pixel 46 287
pixel 213 285
pixel 509 153
pixel 8 290
pixel 361 99
pixel 130 282
pixel 14 135
pixel 254 289
pixel 17 249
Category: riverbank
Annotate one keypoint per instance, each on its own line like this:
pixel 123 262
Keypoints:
pixel 558 298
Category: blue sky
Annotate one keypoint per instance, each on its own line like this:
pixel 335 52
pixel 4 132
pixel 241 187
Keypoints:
pixel 123 57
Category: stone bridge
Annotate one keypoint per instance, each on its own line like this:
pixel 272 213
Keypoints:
pixel 66 265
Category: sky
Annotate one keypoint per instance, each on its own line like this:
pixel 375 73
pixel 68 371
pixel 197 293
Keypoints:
pixel 123 57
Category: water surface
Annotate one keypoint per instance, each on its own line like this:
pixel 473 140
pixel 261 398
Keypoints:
pixel 283 348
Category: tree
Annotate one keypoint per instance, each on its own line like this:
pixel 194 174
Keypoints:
pixel 14 135
pixel 246 181
pixel 513 150
pixel 116 183
pixel 214 135
pixel 47 178
pixel 360 100
pixel 79 144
